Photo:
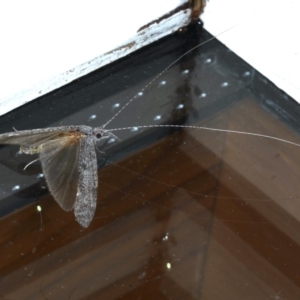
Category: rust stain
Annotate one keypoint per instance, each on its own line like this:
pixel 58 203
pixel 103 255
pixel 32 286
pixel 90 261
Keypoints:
pixel 166 16
pixel 197 7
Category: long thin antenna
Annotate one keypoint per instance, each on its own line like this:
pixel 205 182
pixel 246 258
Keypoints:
pixel 173 186
pixel 167 68
pixel 211 129
pixel 30 163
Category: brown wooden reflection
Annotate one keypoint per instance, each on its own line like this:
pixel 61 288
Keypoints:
pixel 198 215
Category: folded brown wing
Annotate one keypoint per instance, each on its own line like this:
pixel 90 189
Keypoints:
pixel 59 160
pixel 29 137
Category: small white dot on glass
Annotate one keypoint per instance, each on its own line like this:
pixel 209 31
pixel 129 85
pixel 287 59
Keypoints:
pixel 111 140
pixel 156 118
pixel 208 60
pixel 247 73
pixel 163 82
pixel 16 188
pixel 116 105
pixel 180 106
pixel 224 84
pixel 166 237
pixel 185 72
pixel 202 95
pixel 134 129
pixel 92 117
pixel 40 175
pixel 140 94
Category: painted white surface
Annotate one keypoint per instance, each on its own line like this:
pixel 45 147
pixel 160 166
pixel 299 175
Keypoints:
pixel 47 44
pixel 267 38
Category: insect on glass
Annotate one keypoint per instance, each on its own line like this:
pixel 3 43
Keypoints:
pixel 69 162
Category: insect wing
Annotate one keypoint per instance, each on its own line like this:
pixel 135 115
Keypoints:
pixel 59 160
pixel 30 137
pixel 86 200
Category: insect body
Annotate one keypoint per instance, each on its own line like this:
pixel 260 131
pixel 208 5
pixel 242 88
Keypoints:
pixel 69 162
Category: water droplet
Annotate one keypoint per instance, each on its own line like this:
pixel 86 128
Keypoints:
pixel 163 82
pixel 202 95
pixel 208 60
pixel 166 237
pixel 92 117
pixel 134 129
pixel 180 106
pixel 140 94
pixel 111 140
pixel 185 72
pixel 15 188
pixel 116 105
pixel 40 175
pixel 156 118
pixel 247 73
pixel 224 84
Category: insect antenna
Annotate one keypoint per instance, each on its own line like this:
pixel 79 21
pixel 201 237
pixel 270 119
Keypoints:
pixel 190 214
pixel 209 129
pixel 30 163
pixel 167 68
pixel 173 186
